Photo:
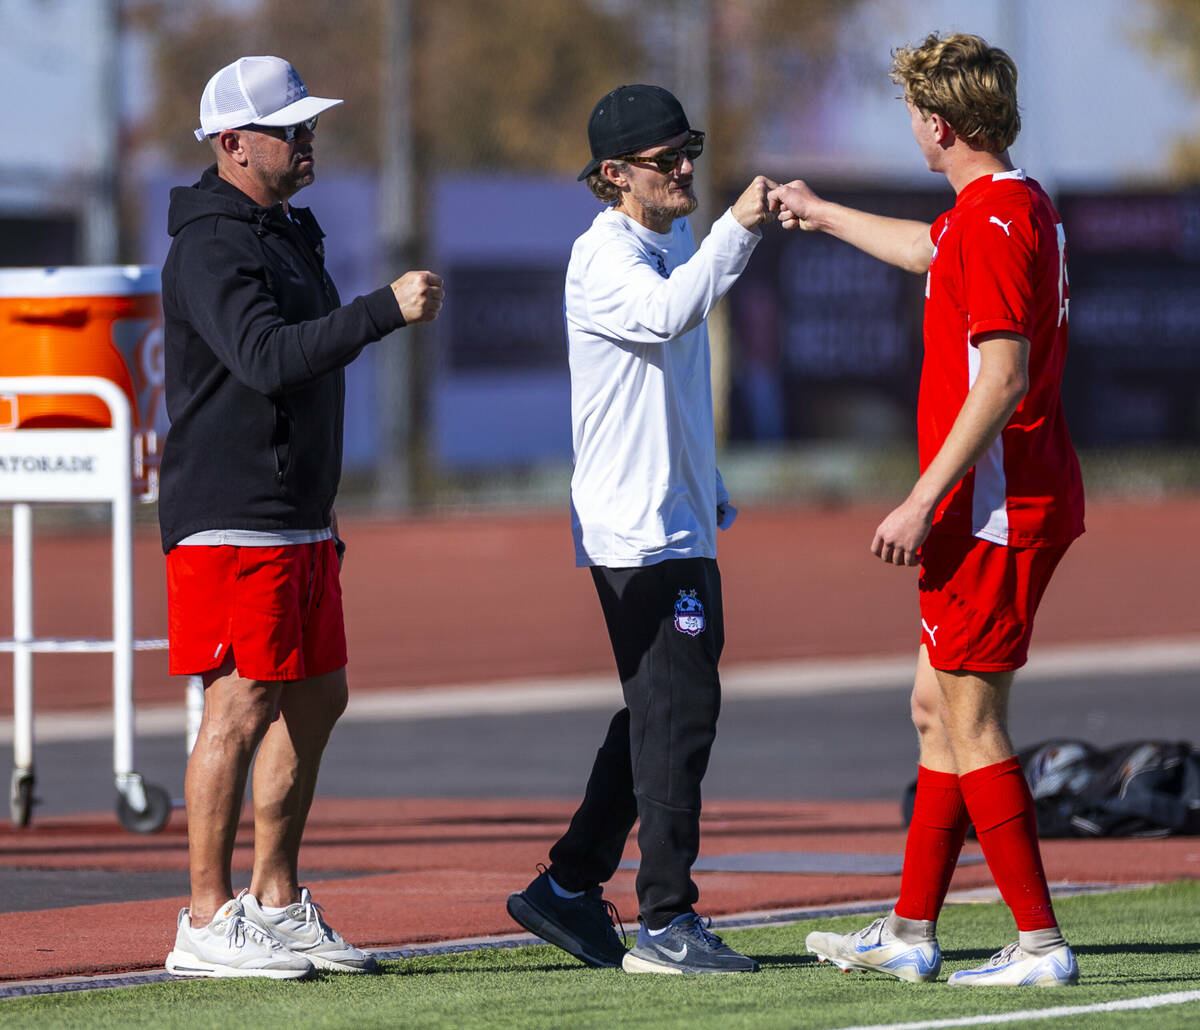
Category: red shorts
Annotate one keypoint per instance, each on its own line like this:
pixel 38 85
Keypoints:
pixel 978 600
pixel 277 609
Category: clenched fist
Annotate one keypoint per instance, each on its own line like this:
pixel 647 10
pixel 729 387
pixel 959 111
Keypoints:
pixel 752 207
pixel 796 204
pixel 419 295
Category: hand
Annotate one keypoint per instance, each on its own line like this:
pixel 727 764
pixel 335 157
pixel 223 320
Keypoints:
pixel 796 204
pixel 751 208
pixel 419 295
pixel 338 545
pixel 899 536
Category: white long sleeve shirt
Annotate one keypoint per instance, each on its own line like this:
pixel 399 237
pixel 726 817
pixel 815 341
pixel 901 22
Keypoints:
pixel 646 486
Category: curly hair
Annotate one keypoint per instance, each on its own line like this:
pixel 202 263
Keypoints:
pixel 969 83
pixel 603 189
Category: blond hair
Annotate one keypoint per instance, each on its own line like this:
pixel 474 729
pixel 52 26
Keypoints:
pixel 603 189
pixel 969 83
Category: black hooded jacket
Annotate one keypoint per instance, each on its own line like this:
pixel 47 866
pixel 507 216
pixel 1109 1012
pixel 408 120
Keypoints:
pixel 256 342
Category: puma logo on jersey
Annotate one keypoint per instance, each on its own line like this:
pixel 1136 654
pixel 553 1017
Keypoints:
pixel 1003 225
pixel 931 630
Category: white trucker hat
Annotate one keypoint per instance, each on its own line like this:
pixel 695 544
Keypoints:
pixel 258 90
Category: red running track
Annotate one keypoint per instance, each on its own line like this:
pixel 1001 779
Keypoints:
pixel 428 870
pixel 492 597
pixel 479 598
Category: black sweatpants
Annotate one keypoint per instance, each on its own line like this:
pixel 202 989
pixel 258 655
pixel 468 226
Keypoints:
pixel 667 629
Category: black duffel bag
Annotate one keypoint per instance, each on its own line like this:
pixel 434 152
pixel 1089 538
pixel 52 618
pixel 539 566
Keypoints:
pixel 1145 788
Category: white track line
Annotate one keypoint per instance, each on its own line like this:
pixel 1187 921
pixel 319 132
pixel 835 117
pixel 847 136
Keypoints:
pixel 1150 1001
pixel 749 680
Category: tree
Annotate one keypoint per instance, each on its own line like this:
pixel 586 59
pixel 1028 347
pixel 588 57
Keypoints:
pixel 1175 35
pixel 499 84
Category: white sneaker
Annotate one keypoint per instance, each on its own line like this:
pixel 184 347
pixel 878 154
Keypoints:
pixel 300 929
pixel 876 948
pixel 231 946
pixel 1012 967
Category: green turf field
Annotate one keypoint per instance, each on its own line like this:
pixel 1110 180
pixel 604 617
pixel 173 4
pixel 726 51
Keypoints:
pixel 1130 945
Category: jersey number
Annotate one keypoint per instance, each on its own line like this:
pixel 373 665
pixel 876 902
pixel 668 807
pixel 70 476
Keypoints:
pixel 1063 300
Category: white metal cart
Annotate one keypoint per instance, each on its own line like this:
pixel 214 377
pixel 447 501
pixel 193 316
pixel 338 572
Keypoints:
pixel 81 465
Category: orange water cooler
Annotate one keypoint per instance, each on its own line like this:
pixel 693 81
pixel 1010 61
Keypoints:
pixel 97 321
pixel 81 412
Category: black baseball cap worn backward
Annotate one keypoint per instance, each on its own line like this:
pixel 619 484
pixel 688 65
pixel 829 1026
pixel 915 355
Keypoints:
pixel 631 118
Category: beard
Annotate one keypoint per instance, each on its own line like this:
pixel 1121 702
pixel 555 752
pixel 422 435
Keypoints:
pixel 683 206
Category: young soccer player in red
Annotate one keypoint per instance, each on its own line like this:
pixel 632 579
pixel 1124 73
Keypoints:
pixel 997 503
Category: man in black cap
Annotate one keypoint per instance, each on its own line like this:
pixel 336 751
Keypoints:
pixel 646 502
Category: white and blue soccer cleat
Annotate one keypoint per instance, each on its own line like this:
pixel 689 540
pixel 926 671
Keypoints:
pixel 875 948
pixel 1012 967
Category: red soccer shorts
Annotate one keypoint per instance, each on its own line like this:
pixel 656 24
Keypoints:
pixel 278 609
pixel 978 600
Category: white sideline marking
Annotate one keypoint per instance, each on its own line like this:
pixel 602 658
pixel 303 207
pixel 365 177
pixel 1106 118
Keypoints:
pixel 739 920
pixel 1150 1001
pixel 750 680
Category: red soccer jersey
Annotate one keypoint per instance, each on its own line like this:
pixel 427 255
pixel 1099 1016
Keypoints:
pixel 999 265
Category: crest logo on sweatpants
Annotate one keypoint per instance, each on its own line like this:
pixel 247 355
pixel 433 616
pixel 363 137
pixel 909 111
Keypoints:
pixel 689 613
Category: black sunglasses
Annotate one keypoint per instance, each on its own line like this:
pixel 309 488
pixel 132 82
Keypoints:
pixel 669 160
pixel 287 133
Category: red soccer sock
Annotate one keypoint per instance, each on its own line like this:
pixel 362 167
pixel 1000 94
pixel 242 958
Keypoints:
pixel 935 838
pixel 1001 807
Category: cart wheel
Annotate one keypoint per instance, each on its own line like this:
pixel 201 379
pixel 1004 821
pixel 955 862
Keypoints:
pixel 153 819
pixel 20 798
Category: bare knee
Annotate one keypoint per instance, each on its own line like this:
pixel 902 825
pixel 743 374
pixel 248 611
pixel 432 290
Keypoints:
pixel 329 695
pixel 925 715
pixel 312 706
pixel 336 698
pixel 975 714
pixel 238 711
pixel 926 704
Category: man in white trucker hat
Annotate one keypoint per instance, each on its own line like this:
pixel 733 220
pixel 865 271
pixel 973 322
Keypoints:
pixel 257 340
pixel 257 91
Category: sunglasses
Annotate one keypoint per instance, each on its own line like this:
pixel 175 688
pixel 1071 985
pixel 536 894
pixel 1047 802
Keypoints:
pixel 287 133
pixel 669 160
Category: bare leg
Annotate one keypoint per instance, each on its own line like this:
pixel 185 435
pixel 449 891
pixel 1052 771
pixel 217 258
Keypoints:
pixel 927 716
pixel 975 713
pixel 975 717
pixel 939 823
pixel 285 778
pixel 237 713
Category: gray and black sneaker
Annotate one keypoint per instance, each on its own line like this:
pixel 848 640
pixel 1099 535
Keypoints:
pixel 685 945
pixel 581 926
